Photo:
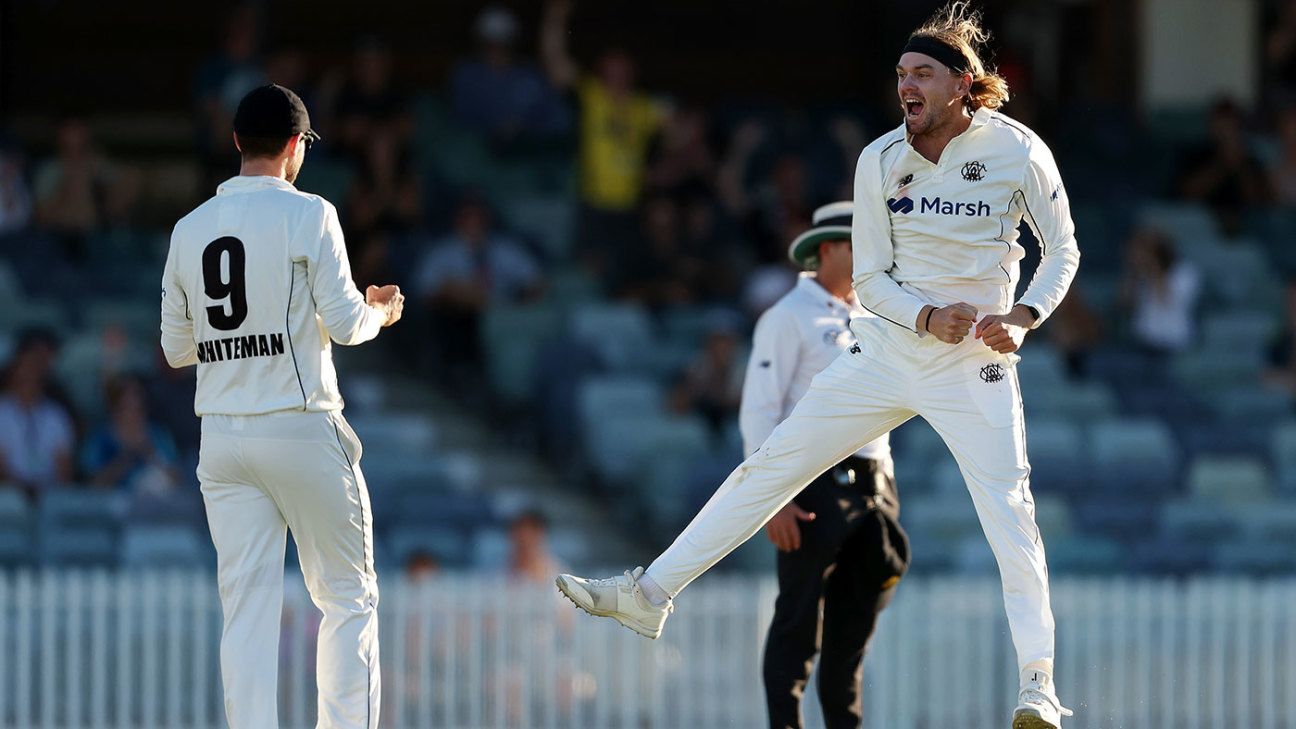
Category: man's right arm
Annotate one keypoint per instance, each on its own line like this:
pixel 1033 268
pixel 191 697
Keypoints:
pixel 873 252
pixel 769 374
pixel 177 328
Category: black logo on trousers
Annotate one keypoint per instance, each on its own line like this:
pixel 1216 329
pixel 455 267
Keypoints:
pixel 974 171
pixel 992 373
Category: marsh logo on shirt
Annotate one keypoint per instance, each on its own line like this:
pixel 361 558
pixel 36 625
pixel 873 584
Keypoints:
pixel 974 171
pixel 900 205
pixel 937 206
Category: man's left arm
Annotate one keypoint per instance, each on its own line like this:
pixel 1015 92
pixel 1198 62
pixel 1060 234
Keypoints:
pixel 1048 213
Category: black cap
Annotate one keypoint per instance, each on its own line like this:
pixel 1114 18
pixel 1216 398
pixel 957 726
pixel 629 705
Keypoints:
pixel 273 112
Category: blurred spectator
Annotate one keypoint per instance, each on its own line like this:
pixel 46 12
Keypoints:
pixel 1160 291
pixel 80 191
pixel 682 159
pixel 1284 173
pixel 658 271
pixel 15 196
pixel 37 438
pixel 385 195
pixel 221 83
pixel 465 272
pixel 370 105
pixel 422 566
pixel 1281 372
pixel 1280 51
pixel 773 205
pixel 616 128
pixel 529 557
pixel 171 401
pixel 499 93
pixel 130 451
pixel 1223 172
pixel 712 384
pixel 1075 329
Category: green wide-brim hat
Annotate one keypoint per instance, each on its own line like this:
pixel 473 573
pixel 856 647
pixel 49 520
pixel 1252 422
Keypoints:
pixel 831 222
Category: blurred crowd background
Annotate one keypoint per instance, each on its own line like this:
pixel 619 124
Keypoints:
pixel 588 205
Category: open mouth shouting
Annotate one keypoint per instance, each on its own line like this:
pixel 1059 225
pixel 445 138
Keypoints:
pixel 913 107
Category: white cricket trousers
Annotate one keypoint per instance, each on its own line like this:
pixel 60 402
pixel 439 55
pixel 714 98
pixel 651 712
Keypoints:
pixel 967 392
pixel 262 475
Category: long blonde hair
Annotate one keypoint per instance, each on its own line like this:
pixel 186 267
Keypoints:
pixel 959 26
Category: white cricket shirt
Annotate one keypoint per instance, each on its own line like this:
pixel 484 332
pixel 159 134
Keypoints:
pixel 795 339
pixel 256 284
pixel 945 232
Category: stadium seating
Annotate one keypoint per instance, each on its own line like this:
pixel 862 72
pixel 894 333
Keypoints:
pixel 1229 480
pixel 165 546
pixel 1133 454
pixel 15 527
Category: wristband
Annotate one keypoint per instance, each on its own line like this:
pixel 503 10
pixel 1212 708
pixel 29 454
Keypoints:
pixel 927 320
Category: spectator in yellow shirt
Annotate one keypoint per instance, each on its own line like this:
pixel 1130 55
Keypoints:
pixel 617 128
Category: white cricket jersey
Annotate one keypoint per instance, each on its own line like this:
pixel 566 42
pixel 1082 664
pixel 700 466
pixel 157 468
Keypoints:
pixel 945 232
pixel 256 284
pixel 795 339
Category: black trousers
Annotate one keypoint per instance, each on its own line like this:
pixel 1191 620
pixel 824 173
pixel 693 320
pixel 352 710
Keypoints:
pixel 831 591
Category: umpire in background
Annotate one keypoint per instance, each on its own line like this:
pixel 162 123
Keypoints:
pixel 841 548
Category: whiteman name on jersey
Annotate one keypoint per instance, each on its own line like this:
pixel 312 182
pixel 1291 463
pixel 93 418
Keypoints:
pixel 252 345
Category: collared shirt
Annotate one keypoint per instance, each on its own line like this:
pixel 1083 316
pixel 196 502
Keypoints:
pixel 795 339
pixel 256 284
pixel 32 439
pixel 945 232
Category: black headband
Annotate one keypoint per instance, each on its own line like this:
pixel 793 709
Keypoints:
pixel 940 50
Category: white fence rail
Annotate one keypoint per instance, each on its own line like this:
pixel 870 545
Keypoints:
pixel 140 650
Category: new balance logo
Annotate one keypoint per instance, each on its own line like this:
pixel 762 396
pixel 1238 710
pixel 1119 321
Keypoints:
pixel 901 205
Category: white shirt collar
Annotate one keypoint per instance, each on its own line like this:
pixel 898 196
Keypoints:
pixel 248 183
pixel 808 283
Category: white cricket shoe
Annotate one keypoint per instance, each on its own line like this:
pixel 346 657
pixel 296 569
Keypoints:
pixel 1037 704
pixel 619 598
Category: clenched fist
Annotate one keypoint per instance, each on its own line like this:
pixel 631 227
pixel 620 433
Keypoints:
pixel 1004 333
pixel 387 298
pixel 784 530
pixel 950 324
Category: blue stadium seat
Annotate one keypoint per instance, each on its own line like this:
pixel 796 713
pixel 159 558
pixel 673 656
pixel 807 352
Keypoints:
pixel 1053 516
pixel 1250 403
pixel 80 526
pixel 1253 558
pixel 1199 519
pixel 609 408
pixel 511 336
pixel 1084 555
pixel 617 333
pixel 1273 522
pixel 1058 454
pixel 15 527
pixel 1181 221
pixel 1133 454
pixel 165 546
pixel 1282 446
pixel 1171 556
pixel 550 219
pixel 1127 517
pixel 1229 479
pixel 1238 330
pixel 941 517
pixel 394 435
pixel 1081 401
pixel 490 549
pixel 1041 367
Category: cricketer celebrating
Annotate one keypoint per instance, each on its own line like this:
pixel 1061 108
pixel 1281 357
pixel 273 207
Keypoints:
pixel 938 202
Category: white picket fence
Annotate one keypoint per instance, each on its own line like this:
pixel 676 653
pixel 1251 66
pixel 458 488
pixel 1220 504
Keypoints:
pixel 140 650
